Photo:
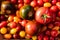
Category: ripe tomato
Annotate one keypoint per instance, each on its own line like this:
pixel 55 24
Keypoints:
pixel 33 3
pixel 20 1
pixel 43 15
pixel 59 13
pixel 27 1
pixel 54 2
pixel 40 2
pixel 20 5
pixel 58 4
pixel 46 0
pixel 31 28
pixel 13 1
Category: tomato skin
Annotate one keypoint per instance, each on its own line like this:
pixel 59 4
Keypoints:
pixel 40 2
pixel 31 28
pixel 46 0
pixel 39 16
pixel 26 1
pixel 58 4
pixel 54 2
pixel 59 13
pixel 54 8
pixel 34 3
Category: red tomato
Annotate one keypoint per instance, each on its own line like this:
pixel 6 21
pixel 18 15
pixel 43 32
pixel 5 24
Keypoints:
pixel 54 8
pixel 58 4
pixel 40 2
pixel 31 28
pixel 45 38
pixel 20 1
pixel 43 15
pixel 59 13
pixel 27 1
pixel 14 1
pixel 13 25
pixel 54 2
pixel 46 0
pixel 20 5
pixel 33 3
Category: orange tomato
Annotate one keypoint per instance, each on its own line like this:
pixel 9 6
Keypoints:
pixel 7 36
pixel 47 4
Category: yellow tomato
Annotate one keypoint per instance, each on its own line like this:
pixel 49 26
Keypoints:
pixel 22 33
pixel 3 30
pixel 34 37
pixel 7 36
pixel 13 31
pixel 47 4
pixel 16 19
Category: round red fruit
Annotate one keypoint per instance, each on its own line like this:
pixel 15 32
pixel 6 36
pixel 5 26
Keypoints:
pixel 27 1
pixel 58 4
pixel 43 15
pixel 31 28
pixel 54 33
pixel 45 38
pixel 59 13
pixel 45 0
pixel 13 25
pixel 20 1
pixel 40 2
pixel 3 24
pixel 54 2
pixel 54 8
pixel 33 3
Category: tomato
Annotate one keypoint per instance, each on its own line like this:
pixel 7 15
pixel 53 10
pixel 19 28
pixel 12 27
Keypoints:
pixel 20 1
pixel 13 1
pixel 46 0
pixel 13 31
pixel 13 25
pixel 26 1
pixel 43 15
pixel 58 4
pixel 54 2
pixel 40 2
pixel 59 13
pixel 47 4
pixel 33 3
pixel 54 8
pixel 26 12
pixel 22 34
pixel 3 30
pixel 7 36
pixel 31 28
pixel 20 5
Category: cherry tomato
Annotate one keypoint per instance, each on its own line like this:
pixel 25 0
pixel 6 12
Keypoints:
pixel 33 3
pixel 7 36
pixel 13 1
pixel 3 30
pixel 59 13
pixel 20 5
pixel 40 2
pixel 27 1
pixel 58 4
pixel 10 18
pixel 31 28
pixel 54 8
pixel 22 34
pixel 13 31
pixel 54 2
pixel 47 4
pixel 20 1
pixel 46 0
pixel 13 25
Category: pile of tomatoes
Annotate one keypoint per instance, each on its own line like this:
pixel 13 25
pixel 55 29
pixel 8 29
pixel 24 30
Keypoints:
pixel 30 19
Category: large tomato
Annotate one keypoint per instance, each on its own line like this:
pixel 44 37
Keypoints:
pixel 31 28
pixel 43 15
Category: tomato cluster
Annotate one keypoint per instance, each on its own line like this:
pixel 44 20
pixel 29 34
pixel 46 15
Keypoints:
pixel 30 19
